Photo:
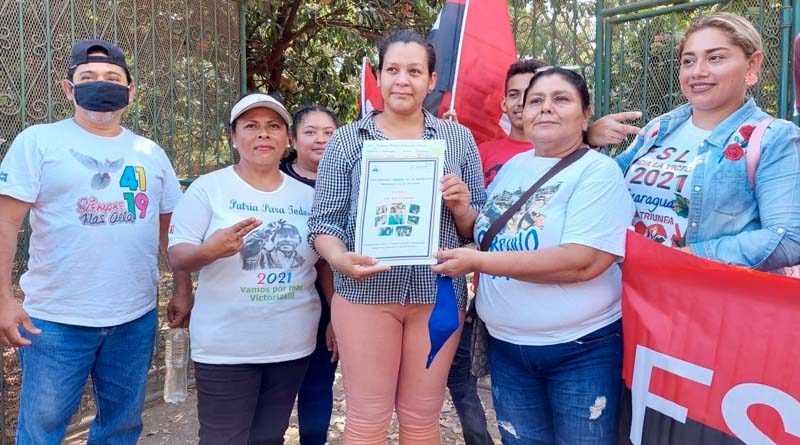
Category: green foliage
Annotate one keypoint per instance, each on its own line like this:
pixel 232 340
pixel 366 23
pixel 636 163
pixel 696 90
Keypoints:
pixel 310 51
pixel 559 32
pixel 643 58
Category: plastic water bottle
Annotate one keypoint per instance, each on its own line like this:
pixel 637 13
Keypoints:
pixel 176 356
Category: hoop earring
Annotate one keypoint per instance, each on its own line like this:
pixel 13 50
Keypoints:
pixel 751 79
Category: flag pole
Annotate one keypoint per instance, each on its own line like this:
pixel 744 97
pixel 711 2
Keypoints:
pixel 363 86
pixel 458 56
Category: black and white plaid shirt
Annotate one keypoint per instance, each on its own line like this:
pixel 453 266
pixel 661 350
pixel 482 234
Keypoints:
pixel 336 201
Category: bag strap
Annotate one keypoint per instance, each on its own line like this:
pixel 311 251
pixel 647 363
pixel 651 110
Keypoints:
pixel 753 154
pixel 500 222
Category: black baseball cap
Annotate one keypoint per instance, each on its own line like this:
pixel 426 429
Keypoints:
pixel 81 54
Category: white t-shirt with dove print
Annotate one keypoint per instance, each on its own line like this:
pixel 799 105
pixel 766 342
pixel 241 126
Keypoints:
pixel 588 204
pixel 260 305
pixel 95 207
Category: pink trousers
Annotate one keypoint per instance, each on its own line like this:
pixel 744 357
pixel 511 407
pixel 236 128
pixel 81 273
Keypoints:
pixel 383 349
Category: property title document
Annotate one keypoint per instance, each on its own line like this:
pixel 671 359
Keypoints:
pixel 399 203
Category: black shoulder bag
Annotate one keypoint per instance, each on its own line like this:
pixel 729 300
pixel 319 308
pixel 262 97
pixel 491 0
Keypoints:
pixel 479 357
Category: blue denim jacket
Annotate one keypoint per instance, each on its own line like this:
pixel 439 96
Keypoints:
pixel 728 220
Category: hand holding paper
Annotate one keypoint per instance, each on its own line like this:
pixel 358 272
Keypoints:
pixel 457 198
pixel 456 262
pixel 356 266
pixel 456 195
pixel 400 201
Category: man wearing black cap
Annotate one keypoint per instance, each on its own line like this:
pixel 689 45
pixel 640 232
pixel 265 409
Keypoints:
pixel 100 200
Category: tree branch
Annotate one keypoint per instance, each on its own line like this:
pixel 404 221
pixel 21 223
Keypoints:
pixel 369 32
pixel 291 18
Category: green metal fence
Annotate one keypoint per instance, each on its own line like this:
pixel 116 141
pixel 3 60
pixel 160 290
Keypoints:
pixel 185 58
pixel 627 49
pixel 558 32
pixel 187 64
pixel 637 61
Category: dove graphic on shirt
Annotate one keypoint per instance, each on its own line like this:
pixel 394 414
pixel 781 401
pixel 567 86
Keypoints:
pixel 103 168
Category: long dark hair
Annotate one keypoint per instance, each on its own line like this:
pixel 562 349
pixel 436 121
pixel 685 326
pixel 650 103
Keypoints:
pixel 297 119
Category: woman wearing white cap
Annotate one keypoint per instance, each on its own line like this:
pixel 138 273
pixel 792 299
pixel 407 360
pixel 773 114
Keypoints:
pixel 253 326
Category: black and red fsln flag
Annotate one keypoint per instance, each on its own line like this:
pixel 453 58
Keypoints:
pixel 712 351
pixel 474 46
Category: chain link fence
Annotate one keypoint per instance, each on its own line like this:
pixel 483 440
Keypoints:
pixel 185 60
pixel 639 60
pixel 558 32
pixel 627 50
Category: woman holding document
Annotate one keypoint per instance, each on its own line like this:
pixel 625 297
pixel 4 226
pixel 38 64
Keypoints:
pixel 551 235
pixel 380 313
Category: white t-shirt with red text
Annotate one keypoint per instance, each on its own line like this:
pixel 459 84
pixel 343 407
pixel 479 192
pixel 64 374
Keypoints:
pixel 660 183
pixel 95 207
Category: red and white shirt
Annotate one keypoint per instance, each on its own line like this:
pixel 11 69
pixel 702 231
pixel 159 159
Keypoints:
pixel 660 183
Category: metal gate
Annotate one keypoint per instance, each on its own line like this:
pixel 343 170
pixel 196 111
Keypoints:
pixel 637 63
pixel 559 32
pixel 185 57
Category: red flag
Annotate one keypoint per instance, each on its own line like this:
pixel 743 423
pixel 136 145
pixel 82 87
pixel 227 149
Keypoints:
pixel 796 71
pixel 370 94
pixel 711 350
pixel 474 47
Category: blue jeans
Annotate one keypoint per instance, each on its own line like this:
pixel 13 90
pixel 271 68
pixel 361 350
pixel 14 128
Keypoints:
pixel 463 388
pixel 566 393
pixel 315 399
pixel 55 367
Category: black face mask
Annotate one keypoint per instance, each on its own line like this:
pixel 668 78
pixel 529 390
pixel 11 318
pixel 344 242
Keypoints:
pixel 101 96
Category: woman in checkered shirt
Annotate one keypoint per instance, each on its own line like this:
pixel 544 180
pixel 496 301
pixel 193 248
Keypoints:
pixel 380 314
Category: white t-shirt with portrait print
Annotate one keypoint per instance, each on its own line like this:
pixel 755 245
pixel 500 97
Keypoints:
pixel 95 208
pixel 588 204
pixel 260 305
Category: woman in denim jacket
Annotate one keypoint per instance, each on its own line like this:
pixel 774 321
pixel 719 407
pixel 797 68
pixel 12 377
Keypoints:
pixel 688 172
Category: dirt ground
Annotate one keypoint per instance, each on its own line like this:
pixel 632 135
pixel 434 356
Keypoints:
pixel 166 424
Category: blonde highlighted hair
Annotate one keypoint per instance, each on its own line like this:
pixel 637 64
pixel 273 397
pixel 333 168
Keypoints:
pixel 740 31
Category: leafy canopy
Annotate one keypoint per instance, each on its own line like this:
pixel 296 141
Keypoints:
pixel 310 51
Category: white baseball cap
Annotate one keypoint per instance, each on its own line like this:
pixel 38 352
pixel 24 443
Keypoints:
pixel 257 100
